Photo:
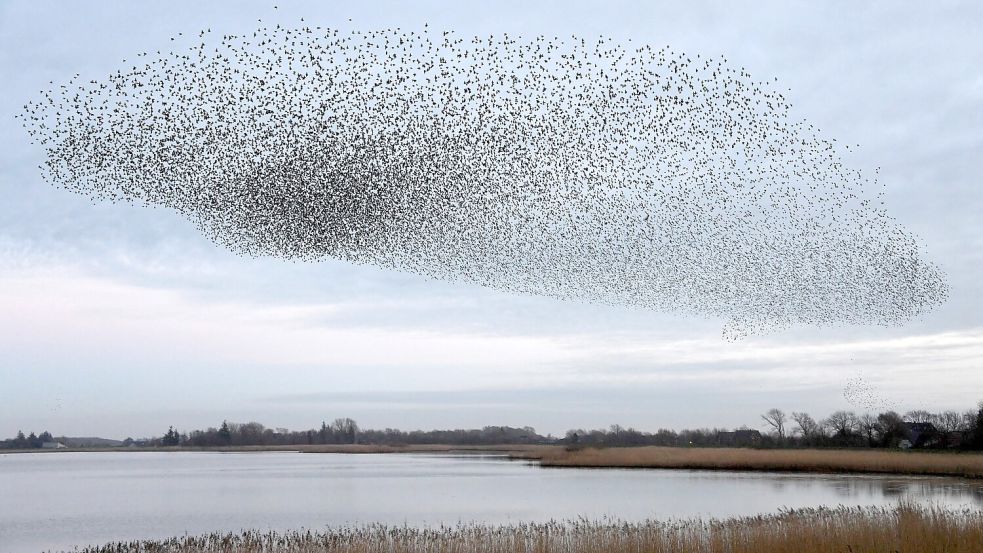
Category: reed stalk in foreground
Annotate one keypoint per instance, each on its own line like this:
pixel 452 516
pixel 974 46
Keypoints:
pixel 968 465
pixel 903 529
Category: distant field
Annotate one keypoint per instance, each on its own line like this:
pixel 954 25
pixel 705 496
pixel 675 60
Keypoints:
pixel 968 465
pixel 903 529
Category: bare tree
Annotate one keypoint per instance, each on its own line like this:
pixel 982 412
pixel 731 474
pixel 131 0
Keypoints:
pixel 869 427
pixel 918 415
pixel 251 433
pixel 347 429
pixel 807 427
pixel 947 423
pixel 969 419
pixel 842 423
pixel 776 418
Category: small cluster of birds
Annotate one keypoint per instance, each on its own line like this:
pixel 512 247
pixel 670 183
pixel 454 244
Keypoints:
pixel 583 170
pixel 859 392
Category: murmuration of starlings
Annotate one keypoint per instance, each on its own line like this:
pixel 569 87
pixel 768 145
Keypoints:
pixel 584 170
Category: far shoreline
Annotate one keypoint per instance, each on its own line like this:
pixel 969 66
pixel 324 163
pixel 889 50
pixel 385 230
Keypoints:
pixel 968 465
pixel 300 448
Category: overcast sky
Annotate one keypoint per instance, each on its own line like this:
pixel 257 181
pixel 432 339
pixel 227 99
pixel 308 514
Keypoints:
pixel 118 320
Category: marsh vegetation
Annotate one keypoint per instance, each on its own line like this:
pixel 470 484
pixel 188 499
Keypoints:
pixel 905 528
pixel 969 465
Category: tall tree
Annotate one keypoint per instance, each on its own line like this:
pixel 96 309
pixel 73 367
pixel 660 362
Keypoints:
pixel 172 437
pixel 976 432
pixel 892 429
pixel 948 423
pixel 776 418
pixel 806 426
pixel 869 427
pixel 224 434
pixel 346 429
pixel 842 423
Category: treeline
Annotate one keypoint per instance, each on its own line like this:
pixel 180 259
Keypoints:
pixel 340 431
pixel 917 429
pixel 914 429
pixel 31 441
pixel 618 436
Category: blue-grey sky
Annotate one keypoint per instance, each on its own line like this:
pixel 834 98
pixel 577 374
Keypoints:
pixel 119 320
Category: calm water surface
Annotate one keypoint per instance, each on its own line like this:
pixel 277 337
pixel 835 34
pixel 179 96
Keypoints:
pixel 62 500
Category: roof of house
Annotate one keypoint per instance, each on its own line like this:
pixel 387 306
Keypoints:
pixel 920 426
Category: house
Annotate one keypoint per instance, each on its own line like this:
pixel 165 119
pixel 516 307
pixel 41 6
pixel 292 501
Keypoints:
pixel 739 438
pixel 52 445
pixel 922 434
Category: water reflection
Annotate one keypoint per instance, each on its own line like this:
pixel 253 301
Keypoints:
pixel 847 487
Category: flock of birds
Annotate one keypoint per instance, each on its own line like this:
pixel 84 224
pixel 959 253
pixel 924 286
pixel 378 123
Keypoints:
pixel 585 170
pixel 861 393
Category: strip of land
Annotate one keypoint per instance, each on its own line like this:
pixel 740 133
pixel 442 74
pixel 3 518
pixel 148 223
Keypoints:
pixel 967 465
pixel 904 528
pixel 517 450
pixel 856 461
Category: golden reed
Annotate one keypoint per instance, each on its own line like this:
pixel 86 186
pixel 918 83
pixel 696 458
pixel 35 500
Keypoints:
pixel 902 529
pixel 968 465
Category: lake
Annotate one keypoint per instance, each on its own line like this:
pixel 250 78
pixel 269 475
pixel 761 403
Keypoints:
pixel 62 500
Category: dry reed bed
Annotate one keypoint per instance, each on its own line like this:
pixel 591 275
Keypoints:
pixel 905 529
pixel 800 460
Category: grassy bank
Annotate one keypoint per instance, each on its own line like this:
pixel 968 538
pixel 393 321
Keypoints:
pixel 904 529
pixel 791 460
